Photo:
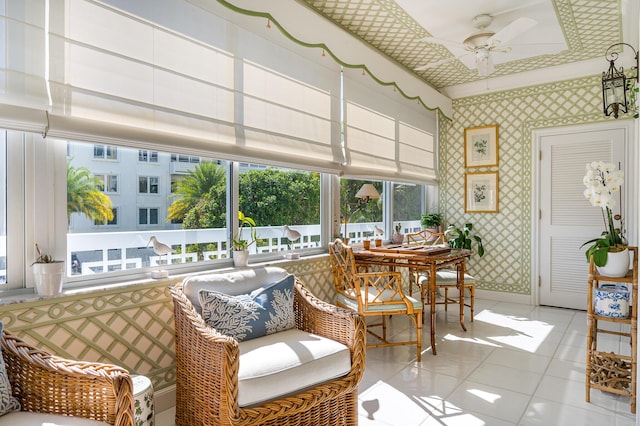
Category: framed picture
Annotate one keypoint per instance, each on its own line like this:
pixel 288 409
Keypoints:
pixel 481 192
pixel 481 146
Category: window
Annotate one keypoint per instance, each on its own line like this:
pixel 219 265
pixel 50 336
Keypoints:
pixel 147 216
pixel 185 159
pixel 192 219
pixel 198 202
pixel 107 183
pixel 408 206
pixel 145 156
pixel 361 220
pixel 275 197
pixel 148 185
pixel 105 151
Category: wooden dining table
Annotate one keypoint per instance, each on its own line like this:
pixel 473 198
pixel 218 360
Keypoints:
pixel 420 258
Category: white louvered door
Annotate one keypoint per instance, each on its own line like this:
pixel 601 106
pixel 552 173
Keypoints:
pixel 567 219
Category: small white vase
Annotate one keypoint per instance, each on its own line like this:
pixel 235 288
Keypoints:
pixel 617 264
pixel 240 258
pixel 48 277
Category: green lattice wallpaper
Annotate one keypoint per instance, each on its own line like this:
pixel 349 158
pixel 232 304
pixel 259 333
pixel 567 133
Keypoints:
pixel 129 326
pixel 506 235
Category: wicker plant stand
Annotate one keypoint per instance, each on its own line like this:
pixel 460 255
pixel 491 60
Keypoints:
pixel 609 371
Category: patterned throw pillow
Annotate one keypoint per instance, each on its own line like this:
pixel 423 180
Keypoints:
pixel 265 310
pixel 7 401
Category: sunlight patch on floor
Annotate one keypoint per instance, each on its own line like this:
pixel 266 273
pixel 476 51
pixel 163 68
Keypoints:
pixel 484 395
pixel 454 338
pixel 526 334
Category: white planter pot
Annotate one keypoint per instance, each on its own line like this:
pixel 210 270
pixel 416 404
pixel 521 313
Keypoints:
pixel 397 238
pixel 617 264
pixel 48 277
pixel 240 258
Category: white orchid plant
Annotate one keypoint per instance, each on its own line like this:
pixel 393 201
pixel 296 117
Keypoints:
pixel 602 183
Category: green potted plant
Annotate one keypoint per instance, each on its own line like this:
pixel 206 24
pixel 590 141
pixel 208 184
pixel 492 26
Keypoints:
pixel 432 221
pixel 47 273
pixel 464 238
pixel 241 246
pixel 602 181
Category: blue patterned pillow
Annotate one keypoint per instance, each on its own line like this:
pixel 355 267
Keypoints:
pixel 7 401
pixel 265 310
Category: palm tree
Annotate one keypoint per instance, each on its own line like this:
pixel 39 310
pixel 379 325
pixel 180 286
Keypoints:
pixel 194 188
pixel 84 195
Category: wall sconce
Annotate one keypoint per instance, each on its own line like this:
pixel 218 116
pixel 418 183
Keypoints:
pixel 614 83
pixel 366 193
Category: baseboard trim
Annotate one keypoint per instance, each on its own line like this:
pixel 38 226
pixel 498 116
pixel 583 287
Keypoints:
pixel 500 296
pixel 164 399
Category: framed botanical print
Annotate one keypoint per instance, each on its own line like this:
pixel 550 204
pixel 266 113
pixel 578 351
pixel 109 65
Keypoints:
pixel 481 146
pixel 481 192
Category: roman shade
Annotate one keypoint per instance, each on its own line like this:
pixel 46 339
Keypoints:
pixel 387 136
pixel 208 81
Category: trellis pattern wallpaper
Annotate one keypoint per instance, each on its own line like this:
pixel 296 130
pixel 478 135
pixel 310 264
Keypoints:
pixel 506 235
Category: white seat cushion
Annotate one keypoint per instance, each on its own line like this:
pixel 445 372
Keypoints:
pixel 353 304
pixel 445 277
pixel 30 418
pixel 285 362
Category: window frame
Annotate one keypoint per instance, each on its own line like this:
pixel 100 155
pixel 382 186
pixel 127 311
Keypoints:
pixel 148 179
pixel 148 216
pixel 43 163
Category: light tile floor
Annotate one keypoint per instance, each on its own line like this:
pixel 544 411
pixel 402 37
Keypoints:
pixel 516 365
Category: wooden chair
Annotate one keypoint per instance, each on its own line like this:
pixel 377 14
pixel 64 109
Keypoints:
pixel 208 362
pixel 425 237
pixel 373 294
pixel 46 383
pixel 446 279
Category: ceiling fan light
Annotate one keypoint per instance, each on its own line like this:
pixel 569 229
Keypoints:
pixel 484 62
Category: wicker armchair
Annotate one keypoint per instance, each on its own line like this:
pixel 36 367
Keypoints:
pixel 46 383
pixel 207 364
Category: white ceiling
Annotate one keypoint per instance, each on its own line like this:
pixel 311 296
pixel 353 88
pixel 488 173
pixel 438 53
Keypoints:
pixel 545 38
pixel 569 39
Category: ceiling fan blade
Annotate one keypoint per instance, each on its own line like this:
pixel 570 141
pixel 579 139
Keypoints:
pixel 438 63
pixel 446 43
pixel 511 31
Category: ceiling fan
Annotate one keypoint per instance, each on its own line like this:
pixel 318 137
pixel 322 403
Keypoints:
pixel 482 43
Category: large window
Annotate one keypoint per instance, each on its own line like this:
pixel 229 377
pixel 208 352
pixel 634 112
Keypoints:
pixel 109 222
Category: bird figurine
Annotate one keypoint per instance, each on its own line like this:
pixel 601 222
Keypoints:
pixel 160 249
pixel 292 235
pixel 377 231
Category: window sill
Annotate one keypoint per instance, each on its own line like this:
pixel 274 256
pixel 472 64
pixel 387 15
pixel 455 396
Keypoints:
pixel 9 297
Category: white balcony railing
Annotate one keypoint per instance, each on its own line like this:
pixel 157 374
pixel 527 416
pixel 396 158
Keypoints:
pixel 91 253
